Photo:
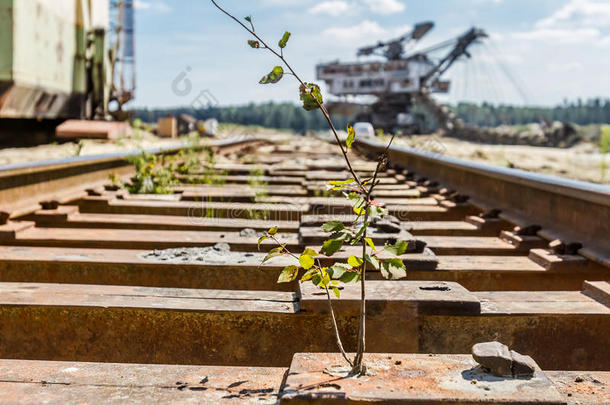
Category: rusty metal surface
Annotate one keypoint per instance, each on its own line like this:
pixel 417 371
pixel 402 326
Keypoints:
pixel 388 298
pixel 173 335
pixel 192 209
pixel 225 310
pixel 577 341
pixel 73 219
pixel 582 387
pixel 127 267
pixel 23 186
pixel 575 210
pixel 138 238
pixel 411 379
pixel 598 290
pixel 28 382
pixel 163 325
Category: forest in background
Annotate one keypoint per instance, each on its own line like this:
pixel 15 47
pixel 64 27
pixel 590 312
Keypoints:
pixel 292 116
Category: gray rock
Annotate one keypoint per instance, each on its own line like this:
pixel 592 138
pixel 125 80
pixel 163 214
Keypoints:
pixel 495 357
pixel 502 362
pixel 523 366
pixel 222 247
pixel 392 219
pixel 219 253
pixel 384 226
pixel 248 232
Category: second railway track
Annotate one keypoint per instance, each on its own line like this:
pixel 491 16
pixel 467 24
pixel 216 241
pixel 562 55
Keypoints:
pixel 89 273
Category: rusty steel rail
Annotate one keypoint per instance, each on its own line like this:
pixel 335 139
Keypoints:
pixel 569 210
pixel 24 186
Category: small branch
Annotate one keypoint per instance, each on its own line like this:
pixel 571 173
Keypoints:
pixel 330 305
pixel 337 335
pixel 356 365
pixel 259 40
pixel 334 131
pixel 281 57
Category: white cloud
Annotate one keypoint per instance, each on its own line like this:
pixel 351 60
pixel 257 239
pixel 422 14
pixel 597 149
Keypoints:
pixel 366 33
pixel 564 36
pixel 355 35
pixel 583 13
pixel 384 6
pixel 577 22
pixel 284 3
pixel 565 67
pixel 333 8
pixel 158 6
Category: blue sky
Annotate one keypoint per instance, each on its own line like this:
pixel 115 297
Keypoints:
pixel 539 53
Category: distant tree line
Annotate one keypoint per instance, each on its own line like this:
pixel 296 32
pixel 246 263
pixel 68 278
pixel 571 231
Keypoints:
pixel 292 116
pixel 271 115
pixel 593 111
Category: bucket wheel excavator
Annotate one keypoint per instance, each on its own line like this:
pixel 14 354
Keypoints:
pixel 398 80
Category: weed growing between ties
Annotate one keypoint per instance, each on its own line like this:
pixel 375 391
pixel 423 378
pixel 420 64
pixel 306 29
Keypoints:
pixel 358 191
pixel 158 174
pixel 259 186
pixel 151 177
pixel 604 148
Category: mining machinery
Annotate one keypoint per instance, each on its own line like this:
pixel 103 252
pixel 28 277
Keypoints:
pixel 398 81
pixel 65 59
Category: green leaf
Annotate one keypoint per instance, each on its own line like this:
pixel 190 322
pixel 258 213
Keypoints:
pixel 393 269
pixel 306 261
pixel 260 240
pixel 355 199
pixel 284 40
pixel 310 252
pixel 254 44
pixel 274 76
pixel 340 182
pixel 331 246
pixel 351 134
pixel 273 231
pixel 373 260
pixel 350 277
pixel 369 241
pixel 309 93
pixel 357 237
pixel 343 235
pixel 354 261
pixel 273 253
pixel 397 249
pixel 288 274
pixel 248 18
pixel 337 270
pixel 321 279
pixel 309 274
pixel 333 226
pixel 377 211
pixel 337 293
pixel 325 280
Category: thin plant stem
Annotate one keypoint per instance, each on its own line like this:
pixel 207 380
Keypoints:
pixel 357 366
pixel 330 306
pixel 281 57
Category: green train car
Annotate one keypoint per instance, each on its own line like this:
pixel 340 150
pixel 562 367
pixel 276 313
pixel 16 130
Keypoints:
pixel 57 58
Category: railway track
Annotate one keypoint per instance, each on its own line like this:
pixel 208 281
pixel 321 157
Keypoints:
pixel 107 296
